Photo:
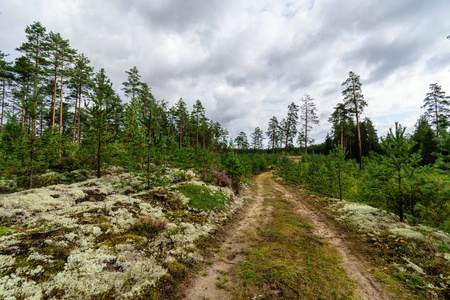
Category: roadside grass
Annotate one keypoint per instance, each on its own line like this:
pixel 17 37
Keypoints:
pixel 285 261
pixel 202 198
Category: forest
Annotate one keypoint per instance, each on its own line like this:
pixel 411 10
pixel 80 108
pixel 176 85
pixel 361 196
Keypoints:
pixel 58 115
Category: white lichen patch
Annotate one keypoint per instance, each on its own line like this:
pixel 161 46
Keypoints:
pixel 88 228
pixel 375 220
pixel 36 256
pixel 418 270
pixel 447 257
pixel 365 216
pixel 407 233
pixel 6 262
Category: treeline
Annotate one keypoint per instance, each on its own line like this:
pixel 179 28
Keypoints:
pixel 350 129
pixel 57 113
pixel 405 174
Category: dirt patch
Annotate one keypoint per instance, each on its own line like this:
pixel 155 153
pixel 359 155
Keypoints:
pixel 92 196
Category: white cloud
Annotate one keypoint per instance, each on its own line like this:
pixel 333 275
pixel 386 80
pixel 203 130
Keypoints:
pixel 247 60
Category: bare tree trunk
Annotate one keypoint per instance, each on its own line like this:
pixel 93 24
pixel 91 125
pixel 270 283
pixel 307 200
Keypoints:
pixel 306 131
pixel 75 118
pixel 99 152
pixel 61 100
pixel 437 118
pixel 181 134
pixel 359 142
pixel 33 132
pixel 79 115
pixel 54 103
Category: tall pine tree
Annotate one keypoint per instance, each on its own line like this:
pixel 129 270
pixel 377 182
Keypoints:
pixel 355 103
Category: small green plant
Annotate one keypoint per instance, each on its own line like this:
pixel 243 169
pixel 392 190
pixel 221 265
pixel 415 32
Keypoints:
pixel 202 198
pixel 221 283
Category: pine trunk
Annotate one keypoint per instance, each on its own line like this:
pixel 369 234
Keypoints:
pixel 99 152
pixel 54 102
pixel 181 133
pixel 79 116
pixel 359 142
pixel 61 101
pixel 306 132
pixel 3 108
pixel 75 119
pixel 148 158
pixel 437 119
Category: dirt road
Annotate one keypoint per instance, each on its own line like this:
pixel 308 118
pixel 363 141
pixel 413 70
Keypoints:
pixel 211 283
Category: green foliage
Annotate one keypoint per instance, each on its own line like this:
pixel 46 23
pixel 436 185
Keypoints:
pixel 398 166
pixel 393 181
pixel 202 198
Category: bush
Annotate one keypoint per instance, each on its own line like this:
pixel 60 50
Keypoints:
pixel 213 174
pixel 149 226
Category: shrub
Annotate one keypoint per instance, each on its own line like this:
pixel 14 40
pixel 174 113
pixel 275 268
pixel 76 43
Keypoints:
pixel 149 226
pixel 213 174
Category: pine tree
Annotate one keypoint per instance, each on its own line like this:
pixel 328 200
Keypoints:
pixel 5 74
pixel 197 117
pixel 181 119
pixel 67 57
pixel 257 139
pixel 369 137
pixel 338 158
pixel 355 103
pixel 100 114
pixel 438 107
pixel 55 42
pixel 425 141
pixel 273 132
pixel 22 83
pixel 399 162
pixel 133 114
pixel 290 125
pixel 241 141
pixel 282 132
pixel 36 50
pixel 133 84
pixel 308 117
pixel 338 118
pixel 80 82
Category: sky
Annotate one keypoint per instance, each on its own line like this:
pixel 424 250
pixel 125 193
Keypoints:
pixel 246 61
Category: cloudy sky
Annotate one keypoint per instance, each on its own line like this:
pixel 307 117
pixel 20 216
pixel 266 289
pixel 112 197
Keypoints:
pixel 248 60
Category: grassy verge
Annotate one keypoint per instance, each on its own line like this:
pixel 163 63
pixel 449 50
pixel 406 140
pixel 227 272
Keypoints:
pixel 286 261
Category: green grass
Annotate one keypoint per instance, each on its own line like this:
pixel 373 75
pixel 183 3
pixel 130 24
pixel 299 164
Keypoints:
pixel 202 198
